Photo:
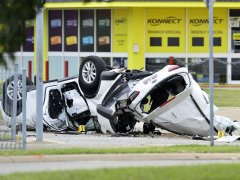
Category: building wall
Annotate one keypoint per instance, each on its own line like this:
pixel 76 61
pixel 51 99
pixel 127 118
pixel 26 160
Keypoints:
pixel 140 38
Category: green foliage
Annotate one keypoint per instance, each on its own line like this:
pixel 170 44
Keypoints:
pixel 200 172
pixel 153 149
pixel 13 14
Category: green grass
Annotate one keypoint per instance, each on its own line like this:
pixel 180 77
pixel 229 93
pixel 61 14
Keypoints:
pixel 153 149
pixel 226 97
pixel 200 172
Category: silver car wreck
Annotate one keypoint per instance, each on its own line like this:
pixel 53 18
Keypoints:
pixel 114 100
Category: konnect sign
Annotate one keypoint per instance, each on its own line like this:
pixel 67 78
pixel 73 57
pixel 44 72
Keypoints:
pixel 167 20
pixel 200 21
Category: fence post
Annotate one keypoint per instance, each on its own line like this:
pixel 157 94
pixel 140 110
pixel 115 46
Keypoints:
pixel 14 111
pixel 24 95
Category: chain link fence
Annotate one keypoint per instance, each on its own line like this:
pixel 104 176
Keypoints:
pixel 11 91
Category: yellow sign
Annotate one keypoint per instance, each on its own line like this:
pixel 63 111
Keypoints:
pixel 220 134
pixel 71 40
pixel 236 36
pixel 198 26
pixel 120 27
pixel 165 30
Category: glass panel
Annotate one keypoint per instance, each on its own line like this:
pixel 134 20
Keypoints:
pixel 29 35
pixel 71 30
pixel 235 39
pixel 235 30
pixel 73 65
pixel 235 69
pixel 234 12
pixel 155 41
pixel 55 30
pixel 199 68
pixel 87 30
pixel 155 64
pixel 107 60
pixel 173 41
pixel 119 62
pixel 55 67
pixel 103 30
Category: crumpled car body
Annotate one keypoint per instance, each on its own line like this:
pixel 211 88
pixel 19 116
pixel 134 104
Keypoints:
pixel 182 106
pixel 63 106
pixel 169 99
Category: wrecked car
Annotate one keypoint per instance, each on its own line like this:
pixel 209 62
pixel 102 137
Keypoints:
pixel 114 100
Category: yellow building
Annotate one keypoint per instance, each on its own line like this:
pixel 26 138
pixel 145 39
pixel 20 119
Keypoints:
pixel 139 35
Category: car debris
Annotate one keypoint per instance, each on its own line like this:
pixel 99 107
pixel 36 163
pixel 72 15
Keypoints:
pixel 114 100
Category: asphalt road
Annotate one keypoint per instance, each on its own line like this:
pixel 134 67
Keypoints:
pixel 95 140
pixel 52 140
pixel 8 168
pixel 136 139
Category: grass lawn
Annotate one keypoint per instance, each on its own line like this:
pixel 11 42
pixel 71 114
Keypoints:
pixel 226 97
pixel 200 172
pixel 153 149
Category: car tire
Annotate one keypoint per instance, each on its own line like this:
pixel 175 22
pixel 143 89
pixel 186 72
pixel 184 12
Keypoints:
pixel 148 128
pixel 8 88
pixel 89 75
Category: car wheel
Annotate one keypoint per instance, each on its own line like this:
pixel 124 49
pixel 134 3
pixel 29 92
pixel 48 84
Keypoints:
pixel 89 75
pixel 8 94
pixel 148 128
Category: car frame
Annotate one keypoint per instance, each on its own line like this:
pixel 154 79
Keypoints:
pixel 114 100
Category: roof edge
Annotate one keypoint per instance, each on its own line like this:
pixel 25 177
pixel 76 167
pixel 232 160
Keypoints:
pixel 74 5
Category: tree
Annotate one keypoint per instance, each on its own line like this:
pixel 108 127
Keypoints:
pixel 13 15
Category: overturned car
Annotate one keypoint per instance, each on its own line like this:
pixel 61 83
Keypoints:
pixel 114 100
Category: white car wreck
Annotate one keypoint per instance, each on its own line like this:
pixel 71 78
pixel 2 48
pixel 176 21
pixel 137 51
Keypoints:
pixel 114 100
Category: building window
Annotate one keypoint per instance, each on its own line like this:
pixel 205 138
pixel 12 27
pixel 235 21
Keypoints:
pixel 217 41
pixel 103 30
pixel 71 30
pixel 173 41
pixel 87 30
pixel 155 64
pixel 107 60
pixel 119 62
pixel 235 69
pixel 197 41
pixel 199 69
pixel 55 30
pixel 28 46
pixel 155 41
pixel 235 30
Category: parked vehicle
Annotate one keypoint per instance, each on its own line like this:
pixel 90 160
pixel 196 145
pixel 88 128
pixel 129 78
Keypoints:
pixel 114 100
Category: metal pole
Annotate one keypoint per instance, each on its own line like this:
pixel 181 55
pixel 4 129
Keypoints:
pixel 211 70
pixel 39 102
pixel 14 111
pixel 24 93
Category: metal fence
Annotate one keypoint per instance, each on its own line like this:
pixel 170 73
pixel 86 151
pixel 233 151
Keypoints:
pixel 13 109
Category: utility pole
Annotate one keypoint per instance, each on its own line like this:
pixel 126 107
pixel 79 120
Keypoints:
pixel 209 4
pixel 39 76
